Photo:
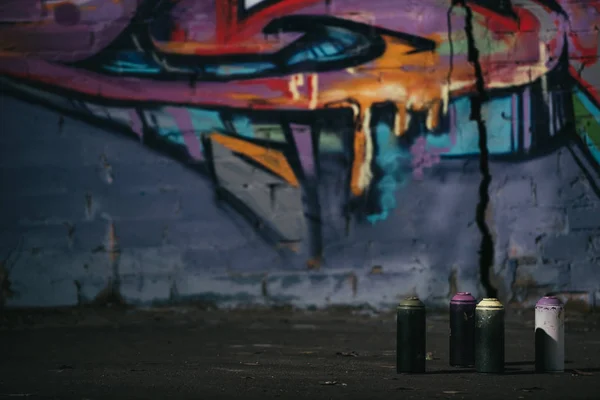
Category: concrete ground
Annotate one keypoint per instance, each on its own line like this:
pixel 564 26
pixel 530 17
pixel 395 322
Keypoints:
pixel 188 353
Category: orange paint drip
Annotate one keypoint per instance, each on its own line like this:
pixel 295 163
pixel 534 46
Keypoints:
pixel 191 47
pixel 313 91
pixel 272 159
pixel 357 162
pixel 400 120
pixel 360 172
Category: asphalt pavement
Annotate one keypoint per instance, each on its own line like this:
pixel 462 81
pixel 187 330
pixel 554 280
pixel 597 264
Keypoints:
pixel 190 353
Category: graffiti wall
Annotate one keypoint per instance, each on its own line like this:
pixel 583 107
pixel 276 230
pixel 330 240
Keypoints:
pixel 304 151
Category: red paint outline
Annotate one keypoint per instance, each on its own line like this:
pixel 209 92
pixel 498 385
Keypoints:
pixel 587 87
pixel 231 30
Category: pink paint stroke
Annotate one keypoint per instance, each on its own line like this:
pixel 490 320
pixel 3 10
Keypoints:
pixel 304 144
pixel 526 118
pixel 423 158
pixel 184 124
pixel 136 123
pixel 453 134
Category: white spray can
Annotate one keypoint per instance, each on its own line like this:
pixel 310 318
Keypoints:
pixel 549 335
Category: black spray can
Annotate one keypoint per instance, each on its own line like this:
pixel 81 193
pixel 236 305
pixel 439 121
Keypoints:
pixel 410 336
pixel 489 337
pixel 462 330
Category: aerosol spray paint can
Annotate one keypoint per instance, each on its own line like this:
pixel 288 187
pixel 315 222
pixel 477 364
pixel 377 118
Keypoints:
pixel 489 336
pixel 462 330
pixel 410 336
pixel 549 335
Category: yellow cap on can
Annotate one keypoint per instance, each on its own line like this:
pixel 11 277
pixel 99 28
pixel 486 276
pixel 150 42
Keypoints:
pixel 490 304
pixel 411 302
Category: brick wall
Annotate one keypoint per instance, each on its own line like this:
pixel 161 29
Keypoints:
pixel 110 201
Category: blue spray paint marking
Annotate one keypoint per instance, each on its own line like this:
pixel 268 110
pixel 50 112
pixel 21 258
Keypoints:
pixel 165 126
pixel 388 154
pixel 595 112
pixel 132 62
pixel 467 136
pixel 243 126
pixel 120 67
pixel 172 135
pixel 496 113
pixel 592 148
pixel 319 52
pixel 498 116
pixel 337 44
pixel 205 122
pixel 239 69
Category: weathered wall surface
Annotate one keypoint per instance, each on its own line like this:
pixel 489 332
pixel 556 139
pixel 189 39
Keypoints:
pixel 305 152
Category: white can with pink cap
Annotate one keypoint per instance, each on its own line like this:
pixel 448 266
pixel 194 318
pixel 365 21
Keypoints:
pixel 549 335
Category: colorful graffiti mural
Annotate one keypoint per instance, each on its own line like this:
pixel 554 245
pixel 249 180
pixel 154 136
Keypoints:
pixel 263 95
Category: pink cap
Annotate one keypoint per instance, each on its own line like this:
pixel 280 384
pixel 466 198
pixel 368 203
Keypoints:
pixel 463 298
pixel 549 301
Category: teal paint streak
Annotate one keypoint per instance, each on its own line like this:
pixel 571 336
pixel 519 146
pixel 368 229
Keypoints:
pixel 239 69
pixel 439 142
pixel 120 69
pixel 167 128
pixel 205 122
pixel 132 62
pixel 497 115
pixel 243 126
pixel 467 136
pixel 592 148
pixel 172 135
pixel 388 154
pixel 595 112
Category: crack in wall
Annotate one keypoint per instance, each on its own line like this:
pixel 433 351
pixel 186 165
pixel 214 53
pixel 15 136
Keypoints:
pixel 486 251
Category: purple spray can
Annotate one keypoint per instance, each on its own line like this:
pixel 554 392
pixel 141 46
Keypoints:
pixel 462 330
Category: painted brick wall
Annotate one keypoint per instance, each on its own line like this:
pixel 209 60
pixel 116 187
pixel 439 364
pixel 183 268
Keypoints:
pixel 109 198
